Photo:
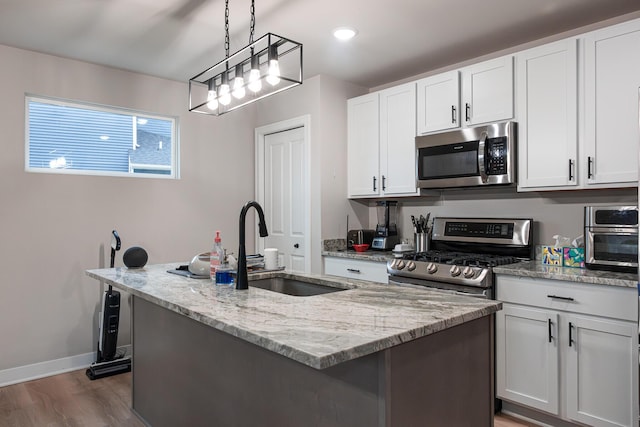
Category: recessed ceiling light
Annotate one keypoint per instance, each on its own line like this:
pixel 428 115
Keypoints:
pixel 104 137
pixel 345 33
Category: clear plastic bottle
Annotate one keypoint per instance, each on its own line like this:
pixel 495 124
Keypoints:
pixel 215 259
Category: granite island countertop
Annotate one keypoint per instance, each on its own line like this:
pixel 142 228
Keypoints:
pixel 319 331
pixel 536 269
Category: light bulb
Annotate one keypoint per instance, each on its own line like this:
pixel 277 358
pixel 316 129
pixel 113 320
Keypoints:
pixel 238 88
pixel 255 84
pixel 223 94
pixel 273 76
pixel 212 101
pixel 238 84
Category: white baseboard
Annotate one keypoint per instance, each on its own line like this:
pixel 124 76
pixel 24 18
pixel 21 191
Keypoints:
pixel 50 367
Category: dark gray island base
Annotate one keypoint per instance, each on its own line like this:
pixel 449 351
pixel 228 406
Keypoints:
pixel 187 373
pixel 367 355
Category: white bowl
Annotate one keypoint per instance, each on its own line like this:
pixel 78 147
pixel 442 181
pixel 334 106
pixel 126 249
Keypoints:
pixel 200 264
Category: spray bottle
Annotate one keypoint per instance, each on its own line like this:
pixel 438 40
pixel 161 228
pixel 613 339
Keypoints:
pixel 216 253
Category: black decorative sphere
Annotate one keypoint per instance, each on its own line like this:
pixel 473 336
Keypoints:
pixel 135 257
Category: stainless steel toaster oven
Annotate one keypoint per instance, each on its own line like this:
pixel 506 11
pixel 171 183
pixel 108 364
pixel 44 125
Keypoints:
pixel 611 238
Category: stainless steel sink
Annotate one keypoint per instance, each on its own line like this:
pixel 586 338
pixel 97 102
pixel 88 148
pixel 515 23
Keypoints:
pixel 292 287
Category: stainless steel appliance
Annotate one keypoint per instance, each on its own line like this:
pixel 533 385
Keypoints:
pixel 484 155
pixel 359 237
pixel 611 238
pixel 387 229
pixel 463 252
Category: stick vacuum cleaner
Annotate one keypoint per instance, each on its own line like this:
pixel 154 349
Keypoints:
pixel 108 362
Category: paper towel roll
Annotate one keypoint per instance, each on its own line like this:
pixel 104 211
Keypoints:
pixel 270 258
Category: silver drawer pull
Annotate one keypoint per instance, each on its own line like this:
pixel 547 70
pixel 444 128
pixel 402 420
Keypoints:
pixel 562 298
pixel 353 270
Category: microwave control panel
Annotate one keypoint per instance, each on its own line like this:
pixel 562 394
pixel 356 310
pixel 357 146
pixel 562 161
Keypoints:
pixel 496 156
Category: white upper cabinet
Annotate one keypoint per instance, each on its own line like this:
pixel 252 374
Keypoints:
pixel 487 91
pixel 381 143
pixel 397 140
pixel 612 82
pixel 548 115
pixel 439 102
pixel 363 148
pixel 480 93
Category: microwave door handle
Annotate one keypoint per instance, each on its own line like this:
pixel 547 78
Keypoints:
pixel 481 155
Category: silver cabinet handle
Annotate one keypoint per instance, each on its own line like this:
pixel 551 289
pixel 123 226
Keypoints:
pixel 353 270
pixel 384 183
pixel 374 183
pixel 550 323
pixel 589 167
pixel 453 114
pixel 467 111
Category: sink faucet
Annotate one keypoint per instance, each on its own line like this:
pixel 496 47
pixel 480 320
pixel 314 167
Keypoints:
pixel 242 282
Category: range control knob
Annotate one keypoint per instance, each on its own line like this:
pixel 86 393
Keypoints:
pixel 392 264
pixel 400 265
pixel 468 272
pixel 455 271
pixel 411 266
pixel 432 268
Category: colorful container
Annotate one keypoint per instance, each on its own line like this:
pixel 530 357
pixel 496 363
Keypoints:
pixel 551 255
pixel 573 257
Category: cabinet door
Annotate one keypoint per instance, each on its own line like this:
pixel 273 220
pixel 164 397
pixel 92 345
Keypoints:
pixel 363 145
pixel 487 91
pixel 397 140
pixel 438 102
pixel 527 356
pixel 612 79
pixel 547 115
pixel 602 371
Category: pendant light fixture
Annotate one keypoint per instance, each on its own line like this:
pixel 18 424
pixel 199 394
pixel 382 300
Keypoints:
pixel 264 67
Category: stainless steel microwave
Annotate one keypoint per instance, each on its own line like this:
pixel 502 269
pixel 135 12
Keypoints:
pixel 483 155
pixel 611 238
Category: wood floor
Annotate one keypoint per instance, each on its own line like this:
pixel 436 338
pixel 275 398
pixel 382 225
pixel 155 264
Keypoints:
pixel 72 400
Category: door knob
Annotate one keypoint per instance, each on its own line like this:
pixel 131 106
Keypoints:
pixel 296 246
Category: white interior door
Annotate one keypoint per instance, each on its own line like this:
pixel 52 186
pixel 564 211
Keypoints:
pixel 284 196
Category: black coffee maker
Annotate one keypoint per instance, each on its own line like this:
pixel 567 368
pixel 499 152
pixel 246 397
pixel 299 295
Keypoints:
pixel 386 236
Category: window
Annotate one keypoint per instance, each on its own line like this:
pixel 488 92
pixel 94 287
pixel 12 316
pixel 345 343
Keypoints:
pixel 70 137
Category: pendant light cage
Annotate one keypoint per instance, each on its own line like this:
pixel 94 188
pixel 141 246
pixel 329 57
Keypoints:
pixel 263 68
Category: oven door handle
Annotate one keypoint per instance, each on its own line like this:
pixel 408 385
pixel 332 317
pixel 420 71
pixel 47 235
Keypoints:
pixel 484 294
pixel 481 156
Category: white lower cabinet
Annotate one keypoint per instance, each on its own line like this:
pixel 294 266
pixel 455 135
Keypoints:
pixel 553 355
pixel 373 271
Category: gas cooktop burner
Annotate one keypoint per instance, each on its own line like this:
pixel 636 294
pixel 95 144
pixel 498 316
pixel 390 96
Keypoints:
pixel 462 258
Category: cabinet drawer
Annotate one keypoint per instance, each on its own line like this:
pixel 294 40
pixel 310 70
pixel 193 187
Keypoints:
pixel 599 300
pixel 356 269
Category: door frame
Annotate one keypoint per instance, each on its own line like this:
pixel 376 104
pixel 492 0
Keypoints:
pixel 260 133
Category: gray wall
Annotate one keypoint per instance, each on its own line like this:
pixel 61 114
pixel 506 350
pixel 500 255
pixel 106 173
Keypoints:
pixel 53 227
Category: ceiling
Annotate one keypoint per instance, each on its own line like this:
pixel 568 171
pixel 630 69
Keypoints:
pixel 177 39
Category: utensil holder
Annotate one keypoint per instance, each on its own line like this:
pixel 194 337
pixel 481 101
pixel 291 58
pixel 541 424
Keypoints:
pixel 421 242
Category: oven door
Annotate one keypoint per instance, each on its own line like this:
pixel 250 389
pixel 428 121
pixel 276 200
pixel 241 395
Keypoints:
pixel 471 291
pixel 614 248
pixel 452 165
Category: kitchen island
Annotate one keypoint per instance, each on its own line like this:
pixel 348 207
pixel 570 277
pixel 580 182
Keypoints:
pixel 368 355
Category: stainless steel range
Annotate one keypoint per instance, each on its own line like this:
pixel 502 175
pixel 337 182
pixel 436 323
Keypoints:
pixel 463 252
